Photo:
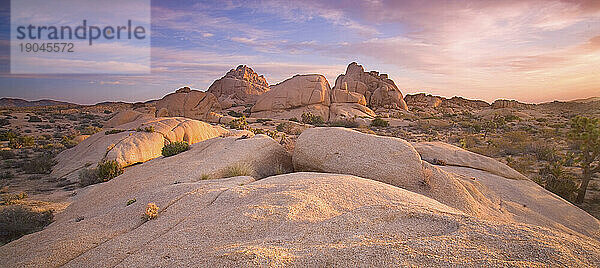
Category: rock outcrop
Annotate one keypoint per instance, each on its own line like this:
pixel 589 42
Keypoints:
pixel 423 100
pixel 378 89
pixel 310 94
pixel 474 184
pixel 445 154
pixel 126 116
pixel 132 144
pixel 299 219
pixel 239 86
pixel 188 103
pixel 498 104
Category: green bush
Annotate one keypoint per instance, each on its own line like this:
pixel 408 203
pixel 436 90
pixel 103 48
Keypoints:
pixel 294 119
pixel 344 123
pixel 34 119
pixel 239 123
pixel 40 165
pixel 379 122
pixel 309 118
pixel 114 131
pixel 149 129
pixel 174 148
pixel 235 114
pixel 8 135
pixel 18 220
pixel 103 172
pixel 90 130
pixel 108 170
pixel 21 141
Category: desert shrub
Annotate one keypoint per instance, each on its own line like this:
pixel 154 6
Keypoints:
pixel 68 142
pixel 104 171
pixel 235 114
pixel 107 112
pixel 151 212
pixel 512 118
pixel 149 129
pixel 206 177
pixel 379 122
pixel 289 128
pixel 17 221
pixel 34 119
pixel 268 132
pixel 239 123
pixel 114 131
pixel 89 130
pixel 309 118
pixel 563 187
pixel 6 175
pixel 262 120
pixel 542 151
pixel 521 164
pixel 4 122
pixel 9 199
pixel 40 165
pixel 21 141
pixel 174 148
pixel 8 135
pixel 344 123
pixel 294 119
pixel 108 170
pixel 239 169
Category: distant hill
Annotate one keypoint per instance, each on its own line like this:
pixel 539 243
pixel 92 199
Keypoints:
pixel 591 99
pixel 13 102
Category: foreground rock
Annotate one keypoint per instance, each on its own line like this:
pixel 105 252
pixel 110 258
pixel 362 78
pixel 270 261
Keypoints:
pixel 239 86
pixel 134 144
pixel 483 187
pixel 310 94
pixel 299 219
pixel 378 89
pixel 188 103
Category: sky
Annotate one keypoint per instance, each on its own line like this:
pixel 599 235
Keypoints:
pixel 528 50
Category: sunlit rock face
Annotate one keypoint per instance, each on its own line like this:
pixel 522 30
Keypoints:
pixel 311 93
pixel 239 86
pixel 378 89
pixel 189 103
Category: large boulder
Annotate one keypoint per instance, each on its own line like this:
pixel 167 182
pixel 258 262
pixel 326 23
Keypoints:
pixel 239 86
pixel 126 116
pixel 132 145
pixel 445 154
pixel 299 219
pixel 378 89
pixel 485 188
pixel 311 94
pixel 294 96
pixel 188 103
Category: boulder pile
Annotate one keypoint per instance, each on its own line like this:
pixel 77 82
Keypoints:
pixel 378 89
pixel 310 94
pixel 239 86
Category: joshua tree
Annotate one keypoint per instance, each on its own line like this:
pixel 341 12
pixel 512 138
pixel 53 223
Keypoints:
pixel 585 133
